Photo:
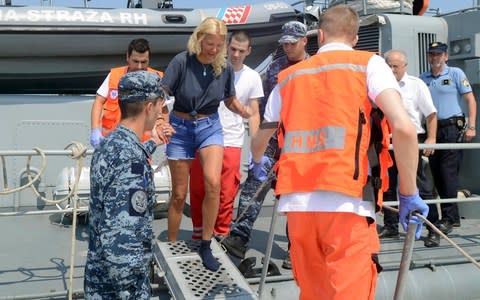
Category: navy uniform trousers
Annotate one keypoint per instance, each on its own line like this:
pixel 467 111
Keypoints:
pixel 244 223
pixel 445 167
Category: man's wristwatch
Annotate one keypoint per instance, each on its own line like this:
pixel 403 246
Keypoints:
pixel 471 127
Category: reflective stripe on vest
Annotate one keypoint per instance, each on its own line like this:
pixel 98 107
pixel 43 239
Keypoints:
pixel 316 70
pixel 324 130
pixel 309 141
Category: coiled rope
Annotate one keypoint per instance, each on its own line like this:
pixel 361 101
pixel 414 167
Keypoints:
pixel 78 153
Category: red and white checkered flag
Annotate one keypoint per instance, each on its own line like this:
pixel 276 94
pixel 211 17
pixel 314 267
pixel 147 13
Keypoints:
pixel 235 14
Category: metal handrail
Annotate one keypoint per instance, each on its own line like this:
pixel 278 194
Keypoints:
pixel 441 200
pixel 421 146
pixel 46 152
pixel 43 212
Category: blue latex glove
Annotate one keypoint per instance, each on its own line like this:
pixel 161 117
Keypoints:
pixel 96 137
pixel 260 169
pixel 409 204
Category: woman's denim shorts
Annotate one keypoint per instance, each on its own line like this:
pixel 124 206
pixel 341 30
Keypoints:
pixel 192 135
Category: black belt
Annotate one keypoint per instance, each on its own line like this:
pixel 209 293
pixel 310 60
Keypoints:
pixel 457 121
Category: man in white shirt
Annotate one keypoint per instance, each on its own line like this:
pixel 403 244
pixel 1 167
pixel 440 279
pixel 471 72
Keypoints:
pixel 248 88
pixel 333 234
pixel 419 106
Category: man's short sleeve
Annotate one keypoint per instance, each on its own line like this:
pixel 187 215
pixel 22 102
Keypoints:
pixel 274 106
pixel 257 89
pixel 103 89
pixel 461 80
pixel 379 77
pixel 425 102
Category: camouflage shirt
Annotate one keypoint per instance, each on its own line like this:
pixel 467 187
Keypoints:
pixel 122 194
pixel 271 77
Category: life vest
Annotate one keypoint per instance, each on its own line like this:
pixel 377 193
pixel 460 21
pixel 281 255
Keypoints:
pixel 111 110
pixel 325 128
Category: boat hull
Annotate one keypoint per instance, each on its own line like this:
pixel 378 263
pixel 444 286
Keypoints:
pixel 71 50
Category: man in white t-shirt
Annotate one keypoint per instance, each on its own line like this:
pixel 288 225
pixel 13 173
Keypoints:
pixel 419 106
pixel 248 87
pixel 323 166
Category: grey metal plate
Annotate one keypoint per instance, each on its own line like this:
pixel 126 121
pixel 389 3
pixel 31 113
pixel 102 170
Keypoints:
pixel 188 279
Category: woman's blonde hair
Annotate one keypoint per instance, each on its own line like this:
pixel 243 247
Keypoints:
pixel 210 25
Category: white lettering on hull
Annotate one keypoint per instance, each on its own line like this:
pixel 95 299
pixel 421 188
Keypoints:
pixel 73 16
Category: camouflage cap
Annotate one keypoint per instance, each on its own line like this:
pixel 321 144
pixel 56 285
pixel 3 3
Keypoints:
pixel 437 47
pixel 140 86
pixel 292 31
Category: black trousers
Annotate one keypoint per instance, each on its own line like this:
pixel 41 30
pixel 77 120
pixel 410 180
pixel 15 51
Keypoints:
pixel 445 167
pixel 425 188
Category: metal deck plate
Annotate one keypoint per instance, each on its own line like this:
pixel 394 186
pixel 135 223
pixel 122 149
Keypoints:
pixel 187 278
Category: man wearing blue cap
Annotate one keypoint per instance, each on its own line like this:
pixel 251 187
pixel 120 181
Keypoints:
pixel 293 41
pixel 122 194
pixel 448 86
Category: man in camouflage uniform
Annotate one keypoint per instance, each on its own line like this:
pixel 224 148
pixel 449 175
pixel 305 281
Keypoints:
pixel 122 194
pixel 293 41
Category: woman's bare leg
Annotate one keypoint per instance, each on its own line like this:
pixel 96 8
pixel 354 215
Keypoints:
pixel 180 171
pixel 211 158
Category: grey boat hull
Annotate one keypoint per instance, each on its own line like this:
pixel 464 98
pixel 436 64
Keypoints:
pixel 70 50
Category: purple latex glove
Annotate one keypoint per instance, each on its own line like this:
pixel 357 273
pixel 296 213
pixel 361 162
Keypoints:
pixel 259 168
pixel 410 204
pixel 96 137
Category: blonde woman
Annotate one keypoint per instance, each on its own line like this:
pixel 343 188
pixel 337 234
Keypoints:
pixel 199 78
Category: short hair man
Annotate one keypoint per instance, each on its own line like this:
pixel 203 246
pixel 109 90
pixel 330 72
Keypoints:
pixel 105 113
pixel 248 88
pixel 293 41
pixel 324 109
pixel 419 105
pixel 122 194
pixel 448 86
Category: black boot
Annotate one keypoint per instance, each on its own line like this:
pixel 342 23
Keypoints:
pixel 235 246
pixel 388 232
pixel 432 240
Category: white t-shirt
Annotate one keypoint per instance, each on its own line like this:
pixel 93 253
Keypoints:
pixel 248 86
pixel 416 99
pixel 103 89
pixel 379 78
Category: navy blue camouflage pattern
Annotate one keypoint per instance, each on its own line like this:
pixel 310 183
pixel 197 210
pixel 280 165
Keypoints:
pixel 243 225
pixel 120 219
pixel 271 78
pixel 292 31
pixel 140 86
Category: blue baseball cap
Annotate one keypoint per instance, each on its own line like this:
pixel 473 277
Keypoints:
pixel 140 86
pixel 292 31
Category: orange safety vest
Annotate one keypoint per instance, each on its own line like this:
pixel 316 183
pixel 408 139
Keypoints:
pixel 111 111
pixel 325 127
